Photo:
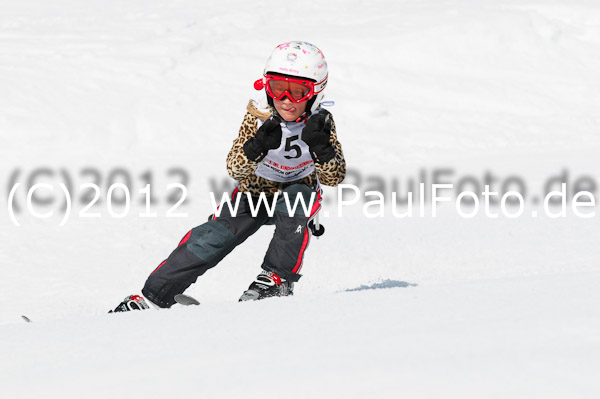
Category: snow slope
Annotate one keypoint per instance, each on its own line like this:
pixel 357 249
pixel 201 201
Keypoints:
pixel 103 91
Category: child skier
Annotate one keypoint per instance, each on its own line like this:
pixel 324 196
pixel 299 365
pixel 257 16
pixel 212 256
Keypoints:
pixel 287 145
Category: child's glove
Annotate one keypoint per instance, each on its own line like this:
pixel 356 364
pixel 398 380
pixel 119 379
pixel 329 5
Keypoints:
pixel 316 134
pixel 268 137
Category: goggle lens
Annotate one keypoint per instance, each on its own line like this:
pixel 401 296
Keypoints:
pixel 297 91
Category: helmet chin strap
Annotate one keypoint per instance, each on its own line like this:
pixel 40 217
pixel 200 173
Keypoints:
pixel 303 117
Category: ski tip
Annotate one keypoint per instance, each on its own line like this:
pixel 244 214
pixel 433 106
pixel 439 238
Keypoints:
pixel 27 319
pixel 186 300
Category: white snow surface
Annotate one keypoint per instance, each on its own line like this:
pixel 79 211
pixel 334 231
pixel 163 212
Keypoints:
pixel 419 307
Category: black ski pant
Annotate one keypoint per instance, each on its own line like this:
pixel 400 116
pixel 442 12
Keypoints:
pixel 206 245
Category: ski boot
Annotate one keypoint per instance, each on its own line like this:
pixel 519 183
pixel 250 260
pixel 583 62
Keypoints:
pixel 267 284
pixel 132 302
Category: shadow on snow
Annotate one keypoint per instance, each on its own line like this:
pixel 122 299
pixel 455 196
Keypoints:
pixel 383 284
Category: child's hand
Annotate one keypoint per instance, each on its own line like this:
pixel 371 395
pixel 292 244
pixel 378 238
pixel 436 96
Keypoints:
pixel 268 137
pixel 317 134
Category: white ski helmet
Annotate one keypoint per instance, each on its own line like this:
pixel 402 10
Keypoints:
pixel 301 60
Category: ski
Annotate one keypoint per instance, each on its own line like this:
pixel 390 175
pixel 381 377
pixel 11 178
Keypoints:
pixel 27 319
pixel 186 300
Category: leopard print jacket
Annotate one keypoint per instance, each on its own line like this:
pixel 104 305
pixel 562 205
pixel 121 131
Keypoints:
pixel 242 169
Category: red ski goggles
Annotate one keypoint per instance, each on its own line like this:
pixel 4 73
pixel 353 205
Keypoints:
pixel 278 87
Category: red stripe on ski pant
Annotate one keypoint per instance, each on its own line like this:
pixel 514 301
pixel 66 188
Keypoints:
pixel 316 207
pixel 159 266
pixel 183 241
pixel 233 194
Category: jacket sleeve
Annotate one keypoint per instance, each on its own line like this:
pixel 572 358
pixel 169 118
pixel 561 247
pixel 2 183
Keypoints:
pixel 238 165
pixel 332 172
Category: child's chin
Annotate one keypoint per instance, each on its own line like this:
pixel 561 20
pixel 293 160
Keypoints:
pixel 289 117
